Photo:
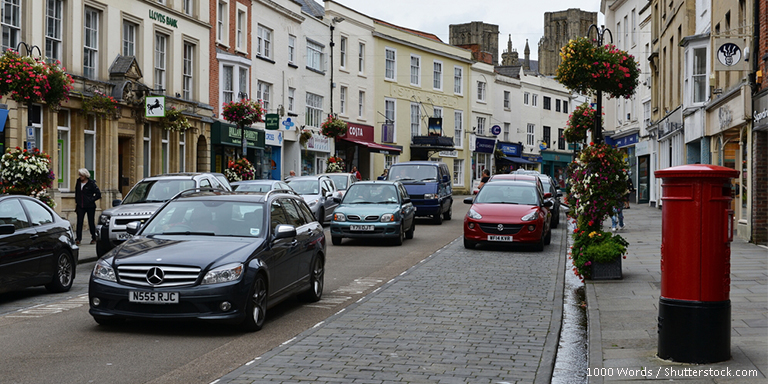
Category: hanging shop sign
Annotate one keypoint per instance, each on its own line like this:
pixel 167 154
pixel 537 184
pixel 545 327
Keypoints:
pixel 730 54
pixel 273 138
pixel 483 145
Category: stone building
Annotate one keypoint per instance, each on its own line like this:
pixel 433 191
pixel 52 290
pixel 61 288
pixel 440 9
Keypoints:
pixel 480 38
pixel 559 28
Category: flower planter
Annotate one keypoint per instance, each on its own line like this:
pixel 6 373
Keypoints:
pixel 606 271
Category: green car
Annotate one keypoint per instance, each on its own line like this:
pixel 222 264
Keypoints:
pixel 374 209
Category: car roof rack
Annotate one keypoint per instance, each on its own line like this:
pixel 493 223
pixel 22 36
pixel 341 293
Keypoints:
pixel 198 189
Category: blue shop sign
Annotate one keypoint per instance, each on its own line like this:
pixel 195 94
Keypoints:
pixel 624 141
pixel 510 149
pixel 484 145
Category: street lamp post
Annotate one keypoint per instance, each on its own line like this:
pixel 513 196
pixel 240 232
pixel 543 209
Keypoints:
pixel 334 21
pixel 30 49
pixel 597 134
pixel 243 142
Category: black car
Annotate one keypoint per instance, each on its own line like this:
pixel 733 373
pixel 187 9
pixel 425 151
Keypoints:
pixel 213 256
pixel 37 246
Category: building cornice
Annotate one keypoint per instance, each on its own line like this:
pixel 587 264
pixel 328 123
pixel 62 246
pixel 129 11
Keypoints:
pixel 297 17
pixel 421 47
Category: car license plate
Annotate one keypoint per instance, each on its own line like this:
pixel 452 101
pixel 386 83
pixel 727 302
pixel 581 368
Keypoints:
pixel 361 227
pixel 123 236
pixel 148 297
pixel 499 238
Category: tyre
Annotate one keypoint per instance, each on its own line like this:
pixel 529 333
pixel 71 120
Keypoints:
pixel 102 247
pixel 400 236
pixel 438 218
pixel 316 281
pixel 108 321
pixel 63 274
pixel 336 240
pixel 548 238
pixel 409 234
pixel 449 214
pixel 539 246
pixel 469 244
pixel 256 307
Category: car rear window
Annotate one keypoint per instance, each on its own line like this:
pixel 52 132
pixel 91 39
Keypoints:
pixel 157 191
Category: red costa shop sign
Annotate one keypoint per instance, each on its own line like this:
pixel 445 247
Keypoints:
pixel 358 132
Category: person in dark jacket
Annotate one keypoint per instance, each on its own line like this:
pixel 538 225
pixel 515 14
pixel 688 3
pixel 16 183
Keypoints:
pixel 86 194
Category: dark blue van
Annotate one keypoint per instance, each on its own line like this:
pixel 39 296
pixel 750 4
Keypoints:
pixel 428 184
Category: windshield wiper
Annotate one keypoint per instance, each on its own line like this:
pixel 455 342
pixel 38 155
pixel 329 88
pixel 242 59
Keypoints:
pixel 155 201
pixel 188 233
pixel 499 202
pixel 406 178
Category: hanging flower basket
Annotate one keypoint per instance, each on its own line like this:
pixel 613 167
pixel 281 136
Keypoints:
pixel 333 127
pixel 174 120
pixel 239 170
pixel 29 80
pixel 304 137
pixel 100 104
pixel 335 165
pixel 579 123
pixel 243 112
pixel 586 68
pixel 27 173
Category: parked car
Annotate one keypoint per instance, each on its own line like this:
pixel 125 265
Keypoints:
pixel 429 186
pixel 318 191
pixel 342 181
pixel 37 246
pixel 260 186
pixel 374 209
pixel 508 212
pixel 143 200
pixel 545 183
pixel 212 256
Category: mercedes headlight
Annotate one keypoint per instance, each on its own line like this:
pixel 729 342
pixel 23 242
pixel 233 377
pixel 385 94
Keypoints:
pixel 531 216
pixel 472 214
pixel 103 219
pixel 430 196
pixel 229 272
pixel 104 271
pixel 338 216
pixel 387 218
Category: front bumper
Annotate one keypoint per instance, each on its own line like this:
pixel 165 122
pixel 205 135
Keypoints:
pixel 380 230
pixel 195 303
pixel 426 207
pixel 521 235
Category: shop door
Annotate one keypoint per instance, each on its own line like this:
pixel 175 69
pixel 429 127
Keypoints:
pixel 123 170
pixel 643 172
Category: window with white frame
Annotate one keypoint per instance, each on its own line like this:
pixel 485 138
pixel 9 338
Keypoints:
pixel 89 145
pixel 626 33
pixel 481 91
pixel 188 76
pixel 343 52
pixel 129 38
pixel 565 106
pixel 182 151
pixel 291 48
pixel 221 22
pixel 618 36
pixel 560 138
pixel 389 160
pixel 415 120
pixel 315 56
pixel 647 114
pixel 314 111
pixel 90 43
pixel 264 41
pixel 360 104
pixel 291 99
pixel 506 99
pixel 506 132
pixel 415 70
pixel 161 44
pixel 186 7
pixel 242 90
pixel 240 33
pixel 699 75
pixel 634 28
pixel 388 132
pixel 53 31
pixel 11 23
pixel 263 91
pixel 147 145
pixel 480 125
pixel 390 63
pixel 164 150
pixel 343 100
pixel 534 100
pixel 458 128
pixel 361 58
pixel 526 98
pixel 530 138
pixel 458 80
pixel 458 172
pixel 228 84
pixel 63 147
pixel 557 105
pixel 36 121
pixel 437 75
pixel 547 103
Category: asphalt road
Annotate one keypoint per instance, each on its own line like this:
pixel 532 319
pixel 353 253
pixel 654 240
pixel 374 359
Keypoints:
pixel 48 338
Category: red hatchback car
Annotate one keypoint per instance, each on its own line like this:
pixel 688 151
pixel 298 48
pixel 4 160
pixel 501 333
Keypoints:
pixel 508 212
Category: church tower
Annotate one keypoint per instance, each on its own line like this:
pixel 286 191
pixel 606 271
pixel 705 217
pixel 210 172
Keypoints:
pixel 559 28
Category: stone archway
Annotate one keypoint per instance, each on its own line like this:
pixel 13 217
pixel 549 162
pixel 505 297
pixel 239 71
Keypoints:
pixel 203 155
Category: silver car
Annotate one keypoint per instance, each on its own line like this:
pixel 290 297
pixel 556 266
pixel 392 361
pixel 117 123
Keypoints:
pixel 342 181
pixel 318 191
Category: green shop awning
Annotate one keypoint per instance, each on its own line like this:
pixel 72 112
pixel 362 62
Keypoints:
pixel 229 134
pixel 555 157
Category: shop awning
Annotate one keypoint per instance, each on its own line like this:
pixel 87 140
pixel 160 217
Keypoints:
pixel 517 160
pixel 375 147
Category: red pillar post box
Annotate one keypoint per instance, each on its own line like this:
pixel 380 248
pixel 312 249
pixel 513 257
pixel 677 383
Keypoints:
pixel 694 321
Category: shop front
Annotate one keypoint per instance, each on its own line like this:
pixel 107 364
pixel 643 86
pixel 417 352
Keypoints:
pixel 508 158
pixel 643 186
pixel 357 146
pixel 226 145
pixel 759 163
pixel 273 155
pixel 555 165
pixel 625 142
pixel 482 157
pixel 315 155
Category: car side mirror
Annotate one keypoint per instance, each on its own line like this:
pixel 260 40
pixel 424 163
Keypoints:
pixel 406 200
pixel 7 229
pixel 547 195
pixel 328 194
pixel 469 200
pixel 547 204
pixel 446 178
pixel 116 202
pixel 133 227
pixel 559 194
pixel 336 199
pixel 284 231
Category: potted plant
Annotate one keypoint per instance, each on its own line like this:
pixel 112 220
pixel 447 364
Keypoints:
pixel 579 123
pixel 333 127
pixel 30 80
pixel 586 68
pixel 239 170
pixel 597 255
pixel 174 120
pixel 27 173
pixel 335 165
pixel 100 104
pixel 242 113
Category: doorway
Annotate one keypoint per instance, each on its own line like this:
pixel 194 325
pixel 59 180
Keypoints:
pixel 124 145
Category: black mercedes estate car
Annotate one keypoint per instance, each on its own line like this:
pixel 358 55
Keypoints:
pixel 212 255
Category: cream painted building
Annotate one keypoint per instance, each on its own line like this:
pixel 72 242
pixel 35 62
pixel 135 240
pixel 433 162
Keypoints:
pixel 126 49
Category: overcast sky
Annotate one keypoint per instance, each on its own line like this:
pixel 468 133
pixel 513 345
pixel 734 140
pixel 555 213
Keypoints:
pixel 523 19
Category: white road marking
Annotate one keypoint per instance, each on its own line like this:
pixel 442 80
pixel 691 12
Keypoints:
pixel 41 310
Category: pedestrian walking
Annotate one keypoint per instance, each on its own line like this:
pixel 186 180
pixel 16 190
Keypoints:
pixel 630 191
pixel 617 220
pixel 357 173
pixel 86 194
